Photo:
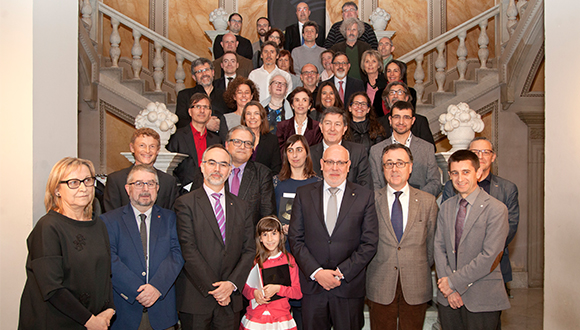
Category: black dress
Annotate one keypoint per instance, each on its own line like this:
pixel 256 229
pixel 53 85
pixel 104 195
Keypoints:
pixel 359 133
pixel 66 255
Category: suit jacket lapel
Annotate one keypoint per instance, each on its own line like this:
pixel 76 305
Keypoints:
pixel 347 200
pixel 191 143
pixel 412 212
pixel 474 213
pixel 154 229
pixel 130 222
pixel 230 226
pixel 317 199
pixel 384 210
pixel 493 186
pixel 205 205
pixel 247 178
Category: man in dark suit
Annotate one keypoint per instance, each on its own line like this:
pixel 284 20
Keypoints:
pixel 244 47
pixel 293 33
pixel 399 276
pixel 229 64
pixel 333 235
pixel 333 125
pixel 472 228
pixel 192 140
pixel 249 180
pixel 350 10
pixel 145 254
pixel 230 45
pixel 501 189
pixel 345 85
pixel 202 71
pixel 351 29
pixel 217 241
pixel 145 144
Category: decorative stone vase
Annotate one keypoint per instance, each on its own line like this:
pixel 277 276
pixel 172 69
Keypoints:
pixel 219 18
pixel 460 124
pixel 379 19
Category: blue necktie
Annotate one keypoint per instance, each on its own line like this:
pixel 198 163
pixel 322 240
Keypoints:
pixel 397 216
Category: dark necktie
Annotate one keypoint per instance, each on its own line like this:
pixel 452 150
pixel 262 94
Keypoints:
pixel 331 211
pixel 219 215
pixel 459 222
pixel 397 216
pixel 229 81
pixel 143 232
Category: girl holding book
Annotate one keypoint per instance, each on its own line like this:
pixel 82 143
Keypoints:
pixel 269 308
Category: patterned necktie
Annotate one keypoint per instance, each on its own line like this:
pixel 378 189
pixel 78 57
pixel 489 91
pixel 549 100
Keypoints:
pixel 219 215
pixel 331 211
pixel 459 222
pixel 397 216
pixel 341 91
pixel 236 182
pixel 143 233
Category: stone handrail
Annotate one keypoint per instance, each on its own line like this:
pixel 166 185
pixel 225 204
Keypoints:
pixel 160 43
pixel 439 44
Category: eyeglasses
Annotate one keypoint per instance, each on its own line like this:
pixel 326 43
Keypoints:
pixel 397 92
pixel 235 20
pixel 340 63
pixel 359 104
pixel 201 106
pixel 213 163
pixel 349 10
pixel 75 183
pixel 239 143
pixel 479 152
pixel 399 164
pixel 334 162
pixel 398 117
pixel 143 184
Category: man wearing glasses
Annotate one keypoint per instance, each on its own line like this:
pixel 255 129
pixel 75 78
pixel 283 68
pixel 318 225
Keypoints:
pixel 244 45
pixel 217 239
pixel 350 10
pixel 503 190
pixel 345 84
pixel 144 145
pixel 145 256
pixel 399 276
pixel 426 175
pixel 193 140
pixel 249 180
pixel 333 235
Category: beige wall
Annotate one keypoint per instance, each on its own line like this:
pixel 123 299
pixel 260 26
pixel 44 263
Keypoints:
pixel 562 223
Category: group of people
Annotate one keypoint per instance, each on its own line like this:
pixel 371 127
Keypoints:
pixel 322 189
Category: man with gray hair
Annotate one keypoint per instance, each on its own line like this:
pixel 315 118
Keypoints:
pixel 352 29
pixel 350 10
pixel 386 49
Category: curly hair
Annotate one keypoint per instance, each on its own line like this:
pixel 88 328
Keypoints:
pixel 280 33
pixel 233 88
pixel 375 128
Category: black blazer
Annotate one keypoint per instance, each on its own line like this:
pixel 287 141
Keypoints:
pixel 285 129
pixel 244 47
pixel 292 37
pixel 353 85
pixel 381 83
pixel 257 189
pixel 420 128
pixel 218 105
pixel 360 169
pixel 207 258
pixel 351 246
pixel 268 153
pixel 378 101
pixel 116 196
pixel 188 170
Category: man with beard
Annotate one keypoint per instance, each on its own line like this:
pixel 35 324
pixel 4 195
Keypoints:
pixel 426 175
pixel 144 145
pixel 352 29
pixel 261 76
pixel 294 34
pixel 245 46
pixel 350 10
pixel 230 45
pixel 145 256
pixel 262 27
pixel 345 85
pixel 217 241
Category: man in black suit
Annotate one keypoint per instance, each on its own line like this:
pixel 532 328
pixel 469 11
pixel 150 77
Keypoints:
pixel 350 10
pixel 333 234
pixel 145 144
pixel 333 125
pixel 229 66
pixel 244 47
pixel 202 72
pixel 193 140
pixel 230 44
pixel 217 242
pixel 345 85
pixel 249 180
pixel 293 33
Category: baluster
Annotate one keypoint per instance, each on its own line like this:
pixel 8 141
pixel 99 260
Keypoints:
pixel 440 64
pixel 483 41
pixel 158 65
pixel 419 76
pixel 179 73
pixel 462 55
pixel 115 40
pixel 512 16
pixel 522 5
pixel 87 12
pixel 136 51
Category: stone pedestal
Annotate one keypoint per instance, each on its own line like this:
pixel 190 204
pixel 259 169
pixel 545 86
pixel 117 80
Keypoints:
pixel 212 34
pixel 382 34
pixel 166 161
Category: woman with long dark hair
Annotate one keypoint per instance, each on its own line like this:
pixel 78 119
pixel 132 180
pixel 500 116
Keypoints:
pixel 327 97
pixel 364 127
pixel 395 71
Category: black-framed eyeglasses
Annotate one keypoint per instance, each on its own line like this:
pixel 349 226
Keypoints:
pixel 397 92
pixel 202 70
pixel 76 183
pixel 239 143
pixel 143 184
pixel 479 152
pixel 359 104
pixel 213 163
pixel 330 162
pixel 399 164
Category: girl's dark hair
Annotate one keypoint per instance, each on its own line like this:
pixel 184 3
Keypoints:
pixel 286 171
pixel 375 128
pixel 267 224
pixel 337 101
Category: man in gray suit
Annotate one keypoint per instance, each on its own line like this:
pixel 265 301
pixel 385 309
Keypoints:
pixel 399 276
pixel 426 175
pixel 472 228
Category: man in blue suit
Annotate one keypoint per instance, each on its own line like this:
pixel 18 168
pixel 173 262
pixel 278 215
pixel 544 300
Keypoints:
pixel 146 256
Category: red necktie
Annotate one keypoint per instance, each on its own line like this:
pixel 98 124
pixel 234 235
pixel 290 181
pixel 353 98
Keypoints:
pixel 341 91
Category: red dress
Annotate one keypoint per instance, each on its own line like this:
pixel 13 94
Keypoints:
pixel 275 315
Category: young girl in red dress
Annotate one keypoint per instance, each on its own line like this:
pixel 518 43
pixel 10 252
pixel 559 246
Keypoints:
pixel 270 252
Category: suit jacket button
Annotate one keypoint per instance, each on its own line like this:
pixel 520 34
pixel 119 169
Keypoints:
pixel 143 274
pixel 395 267
pixel 329 242
pixel 399 248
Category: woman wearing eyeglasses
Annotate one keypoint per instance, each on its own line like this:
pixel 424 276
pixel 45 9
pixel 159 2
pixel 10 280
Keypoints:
pixel 395 71
pixel 240 91
pixel 68 267
pixel 364 127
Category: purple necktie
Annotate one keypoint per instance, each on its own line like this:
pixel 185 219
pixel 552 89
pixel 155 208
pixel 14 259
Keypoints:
pixel 459 222
pixel 236 182
pixel 219 215
pixel 397 216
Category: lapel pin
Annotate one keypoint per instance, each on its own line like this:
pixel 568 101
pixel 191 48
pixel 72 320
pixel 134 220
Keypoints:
pixel 353 194
pixel 481 205
pixel 158 217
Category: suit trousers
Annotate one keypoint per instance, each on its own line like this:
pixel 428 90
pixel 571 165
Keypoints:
pixel 145 325
pixel 325 310
pixel 384 317
pixel 463 319
pixel 220 319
